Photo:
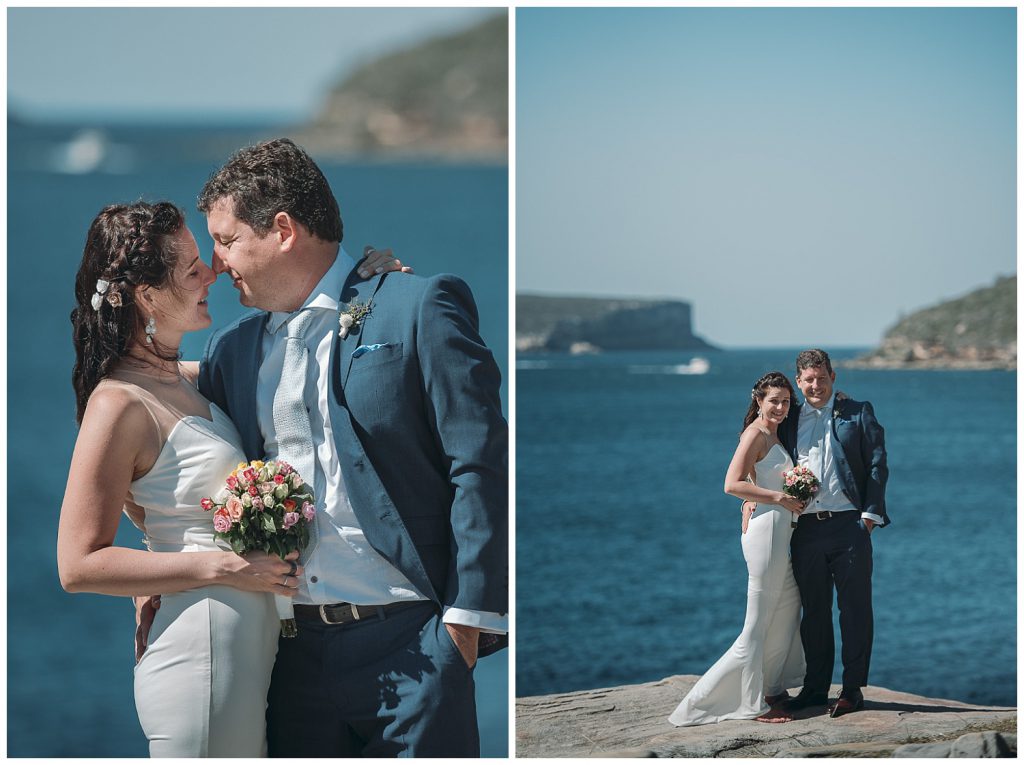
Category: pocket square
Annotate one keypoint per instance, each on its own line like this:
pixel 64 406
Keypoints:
pixel 368 348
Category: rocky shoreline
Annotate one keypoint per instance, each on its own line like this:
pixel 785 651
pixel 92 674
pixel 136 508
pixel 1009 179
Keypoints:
pixel 973 332
pixel 631 721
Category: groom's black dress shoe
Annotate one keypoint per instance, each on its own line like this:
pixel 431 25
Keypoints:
pixel 848 701
pixel 806 699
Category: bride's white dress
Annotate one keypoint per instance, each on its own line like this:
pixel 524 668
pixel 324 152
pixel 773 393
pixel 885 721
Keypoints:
pixel 767 657
pixel 201 686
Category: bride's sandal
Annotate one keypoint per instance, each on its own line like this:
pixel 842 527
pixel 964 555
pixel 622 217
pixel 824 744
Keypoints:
pixel 775 716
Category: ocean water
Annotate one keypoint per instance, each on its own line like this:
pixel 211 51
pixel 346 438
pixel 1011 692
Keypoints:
pixel 70 657
pixel 628 559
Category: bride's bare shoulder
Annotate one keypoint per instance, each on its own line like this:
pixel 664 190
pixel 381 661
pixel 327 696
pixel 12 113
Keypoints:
pixel 116 406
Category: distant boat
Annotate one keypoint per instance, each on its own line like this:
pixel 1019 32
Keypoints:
pixel 696 366
pixel 91 151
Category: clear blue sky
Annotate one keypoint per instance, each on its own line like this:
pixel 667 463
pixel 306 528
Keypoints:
pixel 800 175
pixel 218 65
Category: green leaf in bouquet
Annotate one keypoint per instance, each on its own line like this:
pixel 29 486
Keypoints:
pixel 268 523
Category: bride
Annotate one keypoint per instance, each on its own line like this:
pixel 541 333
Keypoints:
pixel 149 443
pixel 767 657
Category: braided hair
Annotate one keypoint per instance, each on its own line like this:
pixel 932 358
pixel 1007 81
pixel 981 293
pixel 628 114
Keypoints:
pixel 760 390
pixel 128 246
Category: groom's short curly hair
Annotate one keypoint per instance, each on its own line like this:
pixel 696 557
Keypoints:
pixel 815 357
pixel 271 177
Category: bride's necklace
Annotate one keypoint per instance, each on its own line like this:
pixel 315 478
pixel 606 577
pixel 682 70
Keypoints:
pixel 152 371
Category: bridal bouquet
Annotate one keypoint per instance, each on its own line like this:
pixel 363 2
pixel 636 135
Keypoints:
pixel 800 482
pixel 264 506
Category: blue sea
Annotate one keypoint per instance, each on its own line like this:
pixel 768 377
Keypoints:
pixel 628 558
pixel 70 657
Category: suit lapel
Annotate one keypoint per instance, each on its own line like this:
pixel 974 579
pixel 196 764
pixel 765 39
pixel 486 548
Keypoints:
pixel 250 355
pixel 341 365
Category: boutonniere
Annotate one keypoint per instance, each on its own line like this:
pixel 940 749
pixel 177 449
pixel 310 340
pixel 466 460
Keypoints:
pixel 352 317
pixel 840 398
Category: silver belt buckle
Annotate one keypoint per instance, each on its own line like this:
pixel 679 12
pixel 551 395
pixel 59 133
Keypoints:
pixel 323 615
pixel 355 611
pixel 822 515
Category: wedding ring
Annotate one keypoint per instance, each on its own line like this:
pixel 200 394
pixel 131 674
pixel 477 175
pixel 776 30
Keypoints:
pixel 294 568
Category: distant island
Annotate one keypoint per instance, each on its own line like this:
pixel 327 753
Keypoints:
pixel 590 325
pixel 976 331
pixel 444 99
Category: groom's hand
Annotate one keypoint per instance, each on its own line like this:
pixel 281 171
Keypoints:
pixel 748 508
pixel 467 640
pixel 145 611
pixel 870 524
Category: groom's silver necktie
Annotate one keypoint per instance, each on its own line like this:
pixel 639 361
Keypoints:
pixel 291 417
pixel 818 444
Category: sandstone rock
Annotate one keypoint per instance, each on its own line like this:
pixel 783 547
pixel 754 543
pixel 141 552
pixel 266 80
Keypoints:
pixel 633 719
pixel 984 744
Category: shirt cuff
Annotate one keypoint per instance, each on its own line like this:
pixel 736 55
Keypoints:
pixel 485 621
pixel 876 518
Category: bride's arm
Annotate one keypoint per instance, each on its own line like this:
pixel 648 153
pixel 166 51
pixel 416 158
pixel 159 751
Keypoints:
pixel 742 465
pixel 116 437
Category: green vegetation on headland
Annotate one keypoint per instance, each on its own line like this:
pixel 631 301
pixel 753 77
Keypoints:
pixel 580 324
pixel 976 331
pixel 446 98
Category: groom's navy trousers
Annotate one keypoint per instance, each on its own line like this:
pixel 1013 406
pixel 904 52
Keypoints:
pixel 396 687
pixel 834 551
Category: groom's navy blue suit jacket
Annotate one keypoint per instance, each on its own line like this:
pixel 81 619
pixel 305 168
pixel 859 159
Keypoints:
pixel 860 460
pixel 418 428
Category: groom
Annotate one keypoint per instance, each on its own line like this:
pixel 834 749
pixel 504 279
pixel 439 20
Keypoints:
pixel 840 440
pixel 380 393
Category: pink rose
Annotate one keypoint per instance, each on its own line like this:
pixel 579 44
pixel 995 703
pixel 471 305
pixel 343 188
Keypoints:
pixel 296 481
pixel 206 503
pixel 249 474
pixel 253 491
pixel 266 488
pixel 290 519
pixel 221 521
pixel 257 503
pixel 235 508
pixel 279 479
pixel 308 511
pixel 232 482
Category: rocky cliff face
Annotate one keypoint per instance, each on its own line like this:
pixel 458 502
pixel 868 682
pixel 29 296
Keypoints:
pixel 977 331
pixel 446 98
pixel 595 324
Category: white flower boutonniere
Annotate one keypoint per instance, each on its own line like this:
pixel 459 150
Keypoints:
pixel 352 317
pixel 840 397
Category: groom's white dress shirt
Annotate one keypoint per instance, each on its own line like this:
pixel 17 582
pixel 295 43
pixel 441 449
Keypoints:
pixel 815 448
pixel 341 567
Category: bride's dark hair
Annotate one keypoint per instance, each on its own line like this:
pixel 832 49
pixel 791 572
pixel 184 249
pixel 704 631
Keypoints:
pixel 760 390
pixel 128 246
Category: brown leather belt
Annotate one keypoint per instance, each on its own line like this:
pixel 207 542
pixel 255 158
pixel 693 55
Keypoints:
pixel 350 613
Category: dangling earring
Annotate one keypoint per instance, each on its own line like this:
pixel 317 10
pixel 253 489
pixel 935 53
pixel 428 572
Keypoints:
pixel 150 330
